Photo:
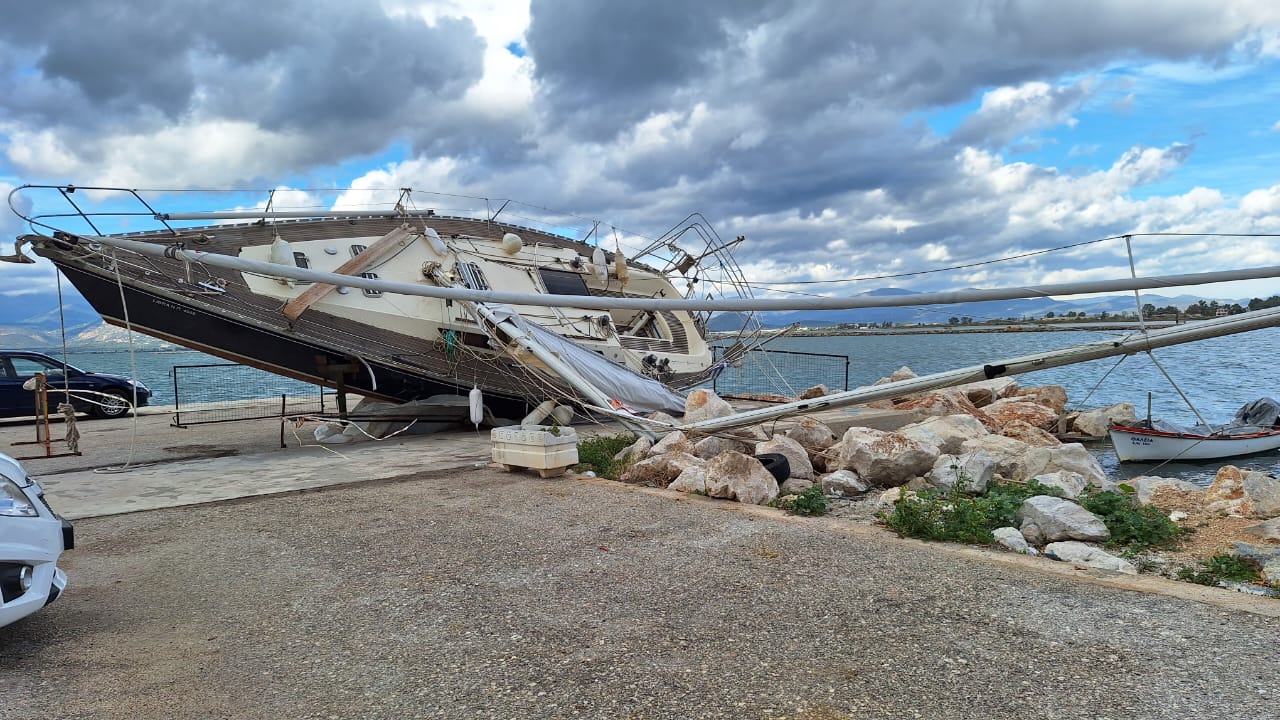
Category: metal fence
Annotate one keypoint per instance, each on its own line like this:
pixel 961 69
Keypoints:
pixel 224 392
pixel 781 372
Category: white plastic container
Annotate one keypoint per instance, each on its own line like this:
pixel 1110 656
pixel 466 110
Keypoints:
pixel 548 449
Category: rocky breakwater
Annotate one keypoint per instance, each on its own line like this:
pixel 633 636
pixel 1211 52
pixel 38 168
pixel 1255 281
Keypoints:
pixel 975 439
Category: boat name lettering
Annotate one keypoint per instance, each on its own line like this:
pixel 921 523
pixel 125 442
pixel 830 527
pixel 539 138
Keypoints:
pixel 173 306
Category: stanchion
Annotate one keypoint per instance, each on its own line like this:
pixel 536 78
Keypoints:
pixel 40 387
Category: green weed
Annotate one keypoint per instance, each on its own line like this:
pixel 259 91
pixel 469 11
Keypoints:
pixel 1219 567
pixel 809 502
pixel 955 516
pixel 1132 526
pixel 597 453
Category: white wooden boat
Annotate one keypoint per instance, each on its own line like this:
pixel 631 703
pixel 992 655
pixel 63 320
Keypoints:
pixel 1143 444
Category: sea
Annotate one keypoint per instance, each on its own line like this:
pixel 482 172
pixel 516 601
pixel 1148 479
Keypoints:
pixel 1217 376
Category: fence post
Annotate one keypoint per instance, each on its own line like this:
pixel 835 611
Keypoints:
pixel 177 404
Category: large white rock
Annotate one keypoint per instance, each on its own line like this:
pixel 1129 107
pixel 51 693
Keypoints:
pixel 794 486
pixel 1011 539
pixel 737 476
pixel 1245 493
pixel 635 451
pixel 1079 553
pixel 709 447
pixel 942 404
pixel 1096 422
pixel 661 470
pixel 794 452
pixel 1070 483
pixel 1269 530
pixel 812 435
pixel 1046 519
pixel 1069 456
pixel 673 442
pixel 1054 396
pixel 1011 455
pixel 1145 487
pixel 842 483
pixel 947 433
pixel 1029 434
pixel 705 405
pixel 692 480
pixel 972 471
pixel 884 458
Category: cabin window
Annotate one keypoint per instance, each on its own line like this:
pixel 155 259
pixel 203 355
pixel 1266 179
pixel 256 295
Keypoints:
pixel 357 249
pixel 560 282
pixel 300 259
pixel 472 276
pixel 368 292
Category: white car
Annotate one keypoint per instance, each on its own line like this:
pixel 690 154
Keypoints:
pixel 31 538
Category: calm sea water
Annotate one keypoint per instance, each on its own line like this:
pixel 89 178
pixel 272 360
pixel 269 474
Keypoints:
pixel 1218 375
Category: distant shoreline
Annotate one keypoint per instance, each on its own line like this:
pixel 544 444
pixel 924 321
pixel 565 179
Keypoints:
pixel 963 329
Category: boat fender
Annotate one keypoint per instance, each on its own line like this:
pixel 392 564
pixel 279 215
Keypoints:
pixel 539 413
pixel 620 265
pixel 433 239
pixel 511 243
pixel 477 406
pixel 598 265
pixel 281 254
pixel 777 465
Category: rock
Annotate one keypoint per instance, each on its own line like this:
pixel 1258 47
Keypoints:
pixel 794 486
pixel 709 447
pixel 705 405
pixel 1269 530
pixel 1049 519
pixel 737 476
pixel 814 392
pixel 893 495
pixel 1029 434
pixel 1095 422
pixel 884 458
pixel 1243 493
pixel 1070 483
pixel 1069 456
pixel 1010 539
pixel 947 432
pixel 902 373
pixel 660 470
pixel 812 435
pixel 1271 571
pixel 692 480
pixel 1079 553
pixel 1011 409
pixel 794 452
pixel 1011 455
pixel 972 471
pixel 943 404
pixel 673 442
pixel 1051 396
pixel 1145 487
pixel 985 392
pixel 1179 516
pixel 1256 555
pixel 635 450
pixel 663 417
pixel 843 483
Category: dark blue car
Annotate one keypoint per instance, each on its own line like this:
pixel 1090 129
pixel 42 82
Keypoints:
pixel 17 367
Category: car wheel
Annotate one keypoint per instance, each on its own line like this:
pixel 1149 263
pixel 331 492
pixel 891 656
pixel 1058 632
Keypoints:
pixel 113 406
pixel 777 465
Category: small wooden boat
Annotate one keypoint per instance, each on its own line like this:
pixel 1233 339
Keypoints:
pixel 1144 443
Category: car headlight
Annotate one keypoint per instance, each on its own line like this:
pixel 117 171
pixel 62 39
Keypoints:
pixel 14 502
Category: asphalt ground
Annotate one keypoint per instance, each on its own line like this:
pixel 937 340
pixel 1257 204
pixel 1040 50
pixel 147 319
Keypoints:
pixel 476 593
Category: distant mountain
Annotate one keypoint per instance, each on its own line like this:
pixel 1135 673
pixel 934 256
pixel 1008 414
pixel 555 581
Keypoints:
pixel 39 310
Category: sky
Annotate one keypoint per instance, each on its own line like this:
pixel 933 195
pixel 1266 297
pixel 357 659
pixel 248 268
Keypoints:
pixel 846 139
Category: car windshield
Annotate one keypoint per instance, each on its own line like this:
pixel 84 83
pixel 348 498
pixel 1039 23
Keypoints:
pixel 25 367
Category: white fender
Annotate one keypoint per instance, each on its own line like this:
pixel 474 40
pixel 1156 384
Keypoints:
pixel 476 399
pixel 511 243
pixel 433 239
pixel 620 265
pixel 599 266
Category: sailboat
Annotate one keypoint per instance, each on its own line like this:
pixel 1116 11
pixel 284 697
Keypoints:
pixel 400 303
pixel 354 333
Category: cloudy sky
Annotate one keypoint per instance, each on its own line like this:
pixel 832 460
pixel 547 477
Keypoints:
pixel 844 138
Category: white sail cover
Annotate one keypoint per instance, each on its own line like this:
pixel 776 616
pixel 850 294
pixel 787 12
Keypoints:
pixel 632 389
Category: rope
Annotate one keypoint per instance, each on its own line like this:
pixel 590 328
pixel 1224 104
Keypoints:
pixel 69 420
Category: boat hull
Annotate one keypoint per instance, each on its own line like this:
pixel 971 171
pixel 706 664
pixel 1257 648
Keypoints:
pixel 1140 444
pixel 251 343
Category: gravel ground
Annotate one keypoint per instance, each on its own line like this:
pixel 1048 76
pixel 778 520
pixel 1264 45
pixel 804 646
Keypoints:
pixel 492 595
